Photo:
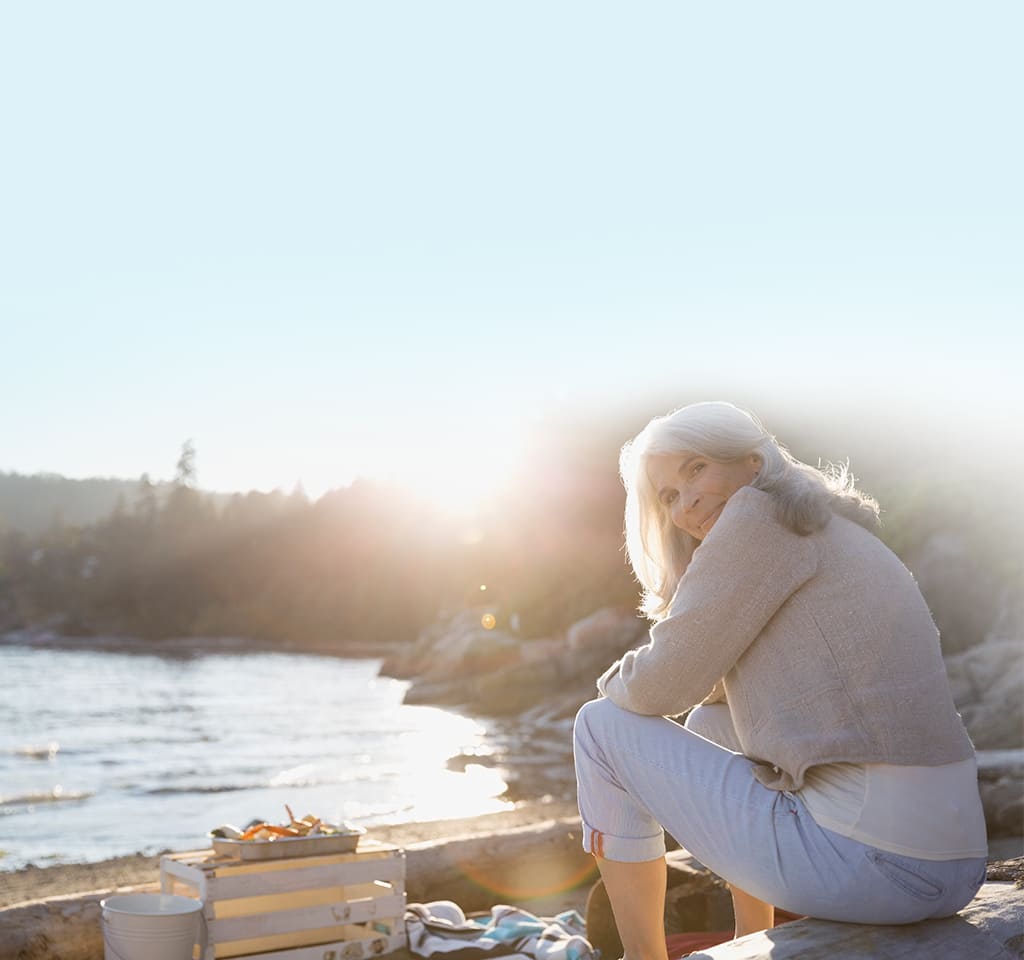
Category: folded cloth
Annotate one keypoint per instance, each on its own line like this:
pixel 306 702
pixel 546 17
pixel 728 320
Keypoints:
pixel 441 929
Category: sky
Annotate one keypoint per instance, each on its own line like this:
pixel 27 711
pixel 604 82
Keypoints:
pixel 324 240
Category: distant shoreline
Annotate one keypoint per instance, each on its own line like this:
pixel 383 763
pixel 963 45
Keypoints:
pixel 190 646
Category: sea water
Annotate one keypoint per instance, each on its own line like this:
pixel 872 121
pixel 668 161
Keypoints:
pixel 109 753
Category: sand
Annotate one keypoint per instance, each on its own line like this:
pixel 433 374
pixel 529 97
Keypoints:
pixel 37 883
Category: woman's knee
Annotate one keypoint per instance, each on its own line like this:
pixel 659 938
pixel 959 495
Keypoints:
pixel 590 714
pixel 597 716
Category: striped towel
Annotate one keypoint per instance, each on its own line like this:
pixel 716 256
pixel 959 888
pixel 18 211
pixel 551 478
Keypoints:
pixel 440 929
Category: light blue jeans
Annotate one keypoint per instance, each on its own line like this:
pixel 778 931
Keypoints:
pixel 637 774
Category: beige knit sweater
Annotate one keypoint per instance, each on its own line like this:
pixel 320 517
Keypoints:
pixel 826 647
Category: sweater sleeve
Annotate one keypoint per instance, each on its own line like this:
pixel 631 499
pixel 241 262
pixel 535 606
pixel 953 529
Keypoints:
pixel 744 570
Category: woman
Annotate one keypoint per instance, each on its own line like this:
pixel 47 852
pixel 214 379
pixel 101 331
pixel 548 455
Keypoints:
pixel 826 770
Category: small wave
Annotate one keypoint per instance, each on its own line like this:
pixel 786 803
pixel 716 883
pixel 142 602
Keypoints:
pixel 57 795
pixel 35 751
pixel 313 775
pixel 295 777
pixel 303 775
pixel 217 788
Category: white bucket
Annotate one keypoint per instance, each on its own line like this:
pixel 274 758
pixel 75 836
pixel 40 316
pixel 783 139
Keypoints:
pixel 152 926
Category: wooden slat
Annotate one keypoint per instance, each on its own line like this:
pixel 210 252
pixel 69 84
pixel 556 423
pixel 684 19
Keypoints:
pixel 183 874
pixel 281 881
pixel 374 946
pixel 306 918
pixel 244 906
pixel 208 862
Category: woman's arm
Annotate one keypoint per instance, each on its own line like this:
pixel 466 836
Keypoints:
pixel 745 569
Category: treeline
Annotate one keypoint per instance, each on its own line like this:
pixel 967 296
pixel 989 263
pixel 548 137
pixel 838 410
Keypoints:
pixel 33 503
pixel 363 565
pixel 369 564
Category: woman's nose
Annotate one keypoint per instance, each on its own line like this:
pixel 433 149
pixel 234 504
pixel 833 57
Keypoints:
pixel 679 511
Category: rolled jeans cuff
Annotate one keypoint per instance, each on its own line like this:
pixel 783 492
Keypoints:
pixel 623 849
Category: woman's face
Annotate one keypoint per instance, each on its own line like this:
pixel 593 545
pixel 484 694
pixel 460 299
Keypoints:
pixel 693 489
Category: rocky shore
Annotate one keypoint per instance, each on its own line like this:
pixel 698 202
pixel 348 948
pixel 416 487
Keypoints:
pixel 534 688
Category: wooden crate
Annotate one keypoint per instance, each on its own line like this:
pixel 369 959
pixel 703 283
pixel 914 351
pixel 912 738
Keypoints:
pixel 341 906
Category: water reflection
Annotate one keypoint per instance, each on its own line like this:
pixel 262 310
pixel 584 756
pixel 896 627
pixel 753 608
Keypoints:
pixel 156 751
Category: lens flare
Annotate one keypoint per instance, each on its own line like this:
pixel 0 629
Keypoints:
pixel 537 878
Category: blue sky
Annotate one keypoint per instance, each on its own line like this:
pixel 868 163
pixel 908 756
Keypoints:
pixel 324 239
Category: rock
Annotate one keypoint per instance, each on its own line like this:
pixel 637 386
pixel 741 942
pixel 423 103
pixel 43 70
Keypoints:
pixel 496 674
pixel 448 652
pixel 987 682
pixel 515 689
pixel 480 651
pixel 440 693
pixel 596 642
pixel 1001 785
pixel 459 645
pixel 561 673
pixel 960 590
pixel 1005 848
pixel 1003 801
pixel 612 630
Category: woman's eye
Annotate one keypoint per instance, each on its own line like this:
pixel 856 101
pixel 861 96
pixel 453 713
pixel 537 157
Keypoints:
pixel 669 498
pixel 696 468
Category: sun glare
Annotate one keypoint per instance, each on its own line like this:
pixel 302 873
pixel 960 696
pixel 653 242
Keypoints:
pixel 456 475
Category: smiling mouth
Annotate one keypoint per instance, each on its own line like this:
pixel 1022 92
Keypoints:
pixel 709 518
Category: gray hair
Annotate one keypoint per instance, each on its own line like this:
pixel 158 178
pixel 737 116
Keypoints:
pixel 806 496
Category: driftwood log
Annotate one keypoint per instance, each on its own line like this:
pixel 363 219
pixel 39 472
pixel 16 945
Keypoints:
pixel 991 927
pixel 474 871
pixel 61 928
pixel 538 860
